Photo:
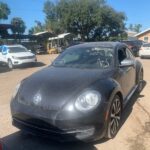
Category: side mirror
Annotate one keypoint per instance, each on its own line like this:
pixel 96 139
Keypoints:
pixel 127 63
pixel 29 50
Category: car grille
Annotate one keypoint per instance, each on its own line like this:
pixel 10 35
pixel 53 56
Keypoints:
pixel 26 57
pixel 40 124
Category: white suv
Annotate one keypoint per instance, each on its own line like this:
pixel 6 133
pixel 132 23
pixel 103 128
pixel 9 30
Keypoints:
pixel 14 55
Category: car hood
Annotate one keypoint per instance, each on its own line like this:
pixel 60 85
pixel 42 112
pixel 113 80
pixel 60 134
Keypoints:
pixel 52 88
pixel 22 54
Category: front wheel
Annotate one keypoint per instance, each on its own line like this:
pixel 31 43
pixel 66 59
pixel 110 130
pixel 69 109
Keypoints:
pixel 10 64
pixel 114 118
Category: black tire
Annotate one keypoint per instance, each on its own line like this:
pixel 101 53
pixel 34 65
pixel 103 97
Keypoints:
pixel 114 119
pixel 10 64
pixel 140 81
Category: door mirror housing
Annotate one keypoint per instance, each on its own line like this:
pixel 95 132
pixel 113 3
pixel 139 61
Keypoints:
pixel 127 63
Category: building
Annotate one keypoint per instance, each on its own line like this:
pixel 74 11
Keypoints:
pixel 57 43
pixel 131 35
pixel 144 35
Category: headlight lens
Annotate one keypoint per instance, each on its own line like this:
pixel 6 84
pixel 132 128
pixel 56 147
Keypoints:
pixel 14 57
pixel 88 100
pixel 16 90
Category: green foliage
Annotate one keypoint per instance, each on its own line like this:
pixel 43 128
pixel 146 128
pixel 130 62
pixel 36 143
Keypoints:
pixel 92 20
pixel 19 25
pixel 4 10
pixel 135 27
pixel 39 27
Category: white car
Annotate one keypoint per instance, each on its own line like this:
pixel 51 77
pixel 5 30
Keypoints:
pixel 14 55
pixel 145 51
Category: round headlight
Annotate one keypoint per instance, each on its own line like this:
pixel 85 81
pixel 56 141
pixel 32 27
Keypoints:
pixel 88 100
pixel 16 90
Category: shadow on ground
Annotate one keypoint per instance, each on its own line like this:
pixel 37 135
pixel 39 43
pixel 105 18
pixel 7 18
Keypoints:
pixel 4 68
pixel 128 109
pixel 37 64
pixel 17 141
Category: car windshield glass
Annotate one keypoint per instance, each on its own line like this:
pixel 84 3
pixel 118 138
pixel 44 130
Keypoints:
pixel 17 49
pixel 87 57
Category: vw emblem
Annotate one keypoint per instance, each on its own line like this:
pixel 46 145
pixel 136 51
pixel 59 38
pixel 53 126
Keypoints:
pixel 37 99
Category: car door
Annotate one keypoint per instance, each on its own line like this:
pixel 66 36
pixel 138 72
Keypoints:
pixel 132 68
pixel 127 77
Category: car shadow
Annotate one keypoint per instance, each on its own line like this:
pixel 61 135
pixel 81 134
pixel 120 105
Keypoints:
pixel 19 141
pixel 4 69
pixel 129 107
pixel 32 65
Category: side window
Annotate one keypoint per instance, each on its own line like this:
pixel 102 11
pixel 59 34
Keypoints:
pixel 129 54
pixel 122 55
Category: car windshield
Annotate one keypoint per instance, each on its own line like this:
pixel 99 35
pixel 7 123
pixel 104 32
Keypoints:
pixel 17 49
pixel 86 57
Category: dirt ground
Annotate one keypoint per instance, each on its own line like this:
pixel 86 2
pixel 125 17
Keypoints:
pixel 133 135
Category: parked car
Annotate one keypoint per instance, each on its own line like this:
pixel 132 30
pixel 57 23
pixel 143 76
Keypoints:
pixel 14 55
pixel 145 51
pixel 134 46
pixel 81 95
pixel 39 49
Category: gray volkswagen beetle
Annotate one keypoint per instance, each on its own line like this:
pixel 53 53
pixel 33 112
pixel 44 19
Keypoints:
pixel 81 95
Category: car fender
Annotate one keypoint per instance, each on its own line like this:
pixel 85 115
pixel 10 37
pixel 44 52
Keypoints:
pixel 112 88
pixel 116 90
pixel 108 88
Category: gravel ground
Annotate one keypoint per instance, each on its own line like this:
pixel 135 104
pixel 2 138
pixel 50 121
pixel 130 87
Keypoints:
pixel 133 135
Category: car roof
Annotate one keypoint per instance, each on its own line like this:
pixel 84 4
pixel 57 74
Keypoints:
pixel 16 45
pixel 99 44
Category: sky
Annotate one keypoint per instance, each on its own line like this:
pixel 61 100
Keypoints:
pixel 137 12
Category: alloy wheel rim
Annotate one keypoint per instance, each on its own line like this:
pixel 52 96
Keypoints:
pixel 115 116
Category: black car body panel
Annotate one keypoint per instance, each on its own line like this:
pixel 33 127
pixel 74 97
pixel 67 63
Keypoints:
pixel 45 101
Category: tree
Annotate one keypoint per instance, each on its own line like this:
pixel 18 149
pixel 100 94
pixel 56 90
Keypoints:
pixel 92 20
pixel 4 10
pixel 131 27
pixel 19 25
pixel 39 27
pixel 135 27
pixel 52 22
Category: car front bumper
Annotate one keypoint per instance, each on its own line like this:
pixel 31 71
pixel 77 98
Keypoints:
pixel 62 128
pixel 23 61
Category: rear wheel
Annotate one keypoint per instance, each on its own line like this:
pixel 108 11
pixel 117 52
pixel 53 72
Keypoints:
pixel 10 64
pixel 114 117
